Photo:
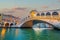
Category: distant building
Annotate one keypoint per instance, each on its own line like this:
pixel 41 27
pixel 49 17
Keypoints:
pixel 0 18
pixel 9 18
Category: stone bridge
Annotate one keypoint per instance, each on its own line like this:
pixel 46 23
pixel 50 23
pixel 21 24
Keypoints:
pixel 49 17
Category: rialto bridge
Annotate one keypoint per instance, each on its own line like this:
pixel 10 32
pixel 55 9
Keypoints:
pixel 51 17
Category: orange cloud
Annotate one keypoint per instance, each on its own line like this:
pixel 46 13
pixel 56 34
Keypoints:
pixel 44 6
pixel 18 8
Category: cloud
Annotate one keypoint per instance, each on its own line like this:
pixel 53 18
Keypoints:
pixel 18 8
pixel 44 7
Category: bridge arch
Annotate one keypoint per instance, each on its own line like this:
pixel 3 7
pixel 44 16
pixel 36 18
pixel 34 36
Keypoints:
pixel 30 23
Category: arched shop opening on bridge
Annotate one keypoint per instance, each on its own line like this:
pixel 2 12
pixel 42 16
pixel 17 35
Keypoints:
pixel 38 14
pixel 55 14
pixel 42 14
pixel 48 14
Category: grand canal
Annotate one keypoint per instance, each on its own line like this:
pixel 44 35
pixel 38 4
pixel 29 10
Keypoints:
pixel 29 34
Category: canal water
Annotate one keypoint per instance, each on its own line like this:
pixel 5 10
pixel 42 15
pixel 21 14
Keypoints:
pixel 29 34
pixel 39 31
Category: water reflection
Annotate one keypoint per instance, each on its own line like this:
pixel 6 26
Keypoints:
pixel 3 32
pixel 16 32
pixel 28 34
pixel 41 25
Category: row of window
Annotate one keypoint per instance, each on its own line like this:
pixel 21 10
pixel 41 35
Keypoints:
pixel 48 14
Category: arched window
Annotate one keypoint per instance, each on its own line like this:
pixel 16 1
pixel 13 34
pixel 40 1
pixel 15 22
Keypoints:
pixel 38 14
pixel 48 14
pixel 55 13
pixel 42 14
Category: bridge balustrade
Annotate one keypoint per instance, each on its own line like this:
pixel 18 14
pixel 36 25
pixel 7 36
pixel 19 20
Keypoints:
pixel 24 19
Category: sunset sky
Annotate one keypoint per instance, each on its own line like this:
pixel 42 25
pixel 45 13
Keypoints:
pixel 38 4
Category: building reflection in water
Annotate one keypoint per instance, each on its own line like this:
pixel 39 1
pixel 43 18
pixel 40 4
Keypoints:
pixel 3 32
pixel 16 32
pixel 7 34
